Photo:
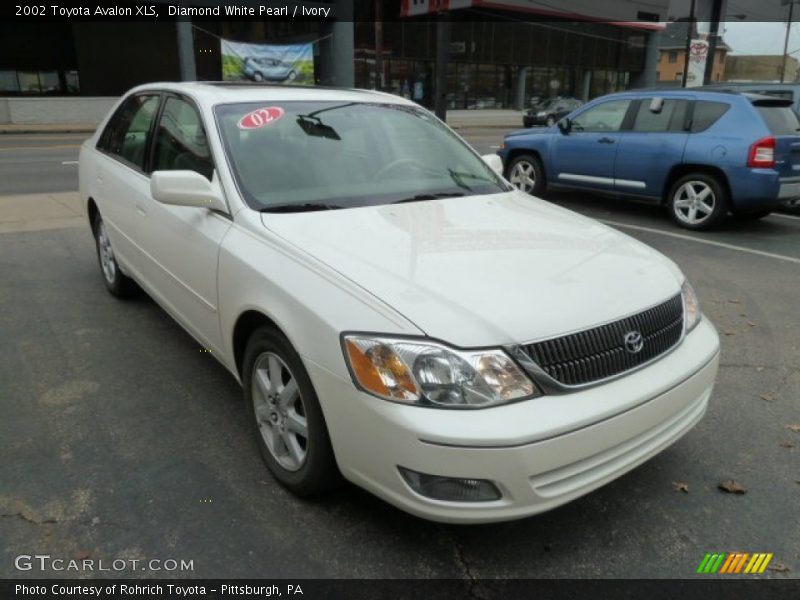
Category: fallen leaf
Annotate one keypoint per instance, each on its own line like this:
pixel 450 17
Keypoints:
pixel 751 324
pixel 795 427
pixel 787 444
pixel 767 397
pixel 759 369
pixel 742 314
pixel 681 487
pixel 734 301
pixel 732 487
pixel 726 332
pixel 82 555
pixel 779 567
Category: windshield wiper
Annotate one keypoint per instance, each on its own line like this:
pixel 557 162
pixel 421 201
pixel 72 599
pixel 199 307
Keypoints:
pixel 299 207
pixel 422 197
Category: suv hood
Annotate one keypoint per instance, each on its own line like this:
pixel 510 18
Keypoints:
pixel 486 270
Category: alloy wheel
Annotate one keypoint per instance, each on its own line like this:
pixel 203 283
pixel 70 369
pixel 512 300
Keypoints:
pixel 279 411
pixel 107 262
pixel 523 176
pixel 694 202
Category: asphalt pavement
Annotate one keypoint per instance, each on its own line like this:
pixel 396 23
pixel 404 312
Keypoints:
pixel 123 439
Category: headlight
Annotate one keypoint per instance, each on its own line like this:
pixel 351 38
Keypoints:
pixel 691 307
pixel 431 374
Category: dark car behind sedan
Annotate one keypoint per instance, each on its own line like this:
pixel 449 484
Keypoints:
pixel 549 111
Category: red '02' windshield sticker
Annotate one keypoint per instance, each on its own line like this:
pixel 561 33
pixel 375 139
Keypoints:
pixel 261 117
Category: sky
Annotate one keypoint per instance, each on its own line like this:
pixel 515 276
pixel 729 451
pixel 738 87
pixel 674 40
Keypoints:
pixel 761 38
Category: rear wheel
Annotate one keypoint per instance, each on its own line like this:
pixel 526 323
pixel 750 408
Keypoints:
pixel 116 282
pixel 527 174
pixel 698 201
pixel 286 416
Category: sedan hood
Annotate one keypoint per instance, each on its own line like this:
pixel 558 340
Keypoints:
pixel 486 270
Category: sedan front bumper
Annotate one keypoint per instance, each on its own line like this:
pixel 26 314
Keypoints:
pixel 540 453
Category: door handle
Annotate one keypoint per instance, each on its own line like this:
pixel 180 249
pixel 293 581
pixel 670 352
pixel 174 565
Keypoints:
pixel 605 140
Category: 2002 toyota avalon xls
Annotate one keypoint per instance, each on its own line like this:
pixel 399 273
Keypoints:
pixel 395 311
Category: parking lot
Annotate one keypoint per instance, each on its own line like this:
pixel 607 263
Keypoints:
pixel 123 439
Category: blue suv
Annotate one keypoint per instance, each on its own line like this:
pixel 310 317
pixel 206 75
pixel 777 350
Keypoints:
pixel 702 154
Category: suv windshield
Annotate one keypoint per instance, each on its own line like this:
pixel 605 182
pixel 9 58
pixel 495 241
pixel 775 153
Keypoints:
pixel 315 155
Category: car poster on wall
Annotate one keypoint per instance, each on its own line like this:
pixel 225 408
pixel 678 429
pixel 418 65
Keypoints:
pixel 269 63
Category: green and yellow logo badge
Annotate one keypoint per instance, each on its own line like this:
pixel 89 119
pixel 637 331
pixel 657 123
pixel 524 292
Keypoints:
pixel 734 563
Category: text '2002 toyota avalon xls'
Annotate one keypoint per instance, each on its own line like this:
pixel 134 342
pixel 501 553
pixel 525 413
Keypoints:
pixel 396 312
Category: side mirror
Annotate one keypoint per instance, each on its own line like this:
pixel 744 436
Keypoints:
pixel 186 188
pixel 495 163
pixel 656 104
pixel 564 125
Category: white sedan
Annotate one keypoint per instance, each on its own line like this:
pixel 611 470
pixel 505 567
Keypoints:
pixel 396 312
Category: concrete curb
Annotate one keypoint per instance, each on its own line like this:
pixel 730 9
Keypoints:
pixel 46 128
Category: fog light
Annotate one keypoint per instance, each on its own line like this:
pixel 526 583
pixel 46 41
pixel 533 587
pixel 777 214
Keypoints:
pixel 450 488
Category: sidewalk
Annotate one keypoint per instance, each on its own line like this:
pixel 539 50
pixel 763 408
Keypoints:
pixel 46 128
pixel 35 212
pixel 458 119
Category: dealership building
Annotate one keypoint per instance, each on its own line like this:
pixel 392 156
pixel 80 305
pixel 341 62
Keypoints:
pixel 487 54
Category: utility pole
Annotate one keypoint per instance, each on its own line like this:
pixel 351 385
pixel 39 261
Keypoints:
pixel 717 15
pixel 786 40
pixel 378 45
pixel 688 48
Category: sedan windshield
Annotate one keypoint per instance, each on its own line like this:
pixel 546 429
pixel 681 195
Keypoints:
pixel 300 156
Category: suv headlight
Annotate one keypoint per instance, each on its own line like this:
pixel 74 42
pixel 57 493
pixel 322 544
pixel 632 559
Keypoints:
pixel 691 307
pixel 428 373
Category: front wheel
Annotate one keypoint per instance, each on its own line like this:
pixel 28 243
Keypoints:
pixel 286 416
pixel 551 120
pixel 698 201
pixel 526 174
pixel 257 76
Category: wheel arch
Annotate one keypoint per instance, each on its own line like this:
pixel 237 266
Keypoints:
pixel 245 325
pixel 516 152
pixel 683 169
pixel 92 211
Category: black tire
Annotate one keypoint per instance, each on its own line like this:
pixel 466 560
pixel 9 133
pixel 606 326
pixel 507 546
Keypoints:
pixel 117 283
pixel 532 162
pixel 550 120
pixel 319 472
pixel 257 76
pixel 292 75
pixel 752 216
pixel 720 202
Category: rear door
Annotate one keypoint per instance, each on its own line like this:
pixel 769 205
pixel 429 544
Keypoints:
pixel 654 143
pixel 784 124
pixel 584 156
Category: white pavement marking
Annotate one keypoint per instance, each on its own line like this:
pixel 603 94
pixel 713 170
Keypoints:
pixel 783 216
pixel 69 162
pixel 690 238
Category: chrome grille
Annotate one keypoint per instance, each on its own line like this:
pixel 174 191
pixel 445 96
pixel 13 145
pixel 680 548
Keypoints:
pixel 600 352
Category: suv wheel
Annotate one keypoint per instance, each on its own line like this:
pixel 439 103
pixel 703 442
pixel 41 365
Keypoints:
pixel 551 120
pixel 287 420
pixel 527 174
pixel 698 201
pixel 116 282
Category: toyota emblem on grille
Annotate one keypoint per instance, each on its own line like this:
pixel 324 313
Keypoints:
pixel 633 341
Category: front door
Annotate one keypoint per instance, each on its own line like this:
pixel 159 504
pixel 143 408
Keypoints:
pixel 181 243
pixel 584 156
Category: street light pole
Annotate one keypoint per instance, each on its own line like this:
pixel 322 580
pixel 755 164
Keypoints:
pixel 688 49
pixel 786 40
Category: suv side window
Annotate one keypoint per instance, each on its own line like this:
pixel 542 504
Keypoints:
pixel 128 129
pixel 180 140
pixel 707 113
pixel 671 117
pixel 607 116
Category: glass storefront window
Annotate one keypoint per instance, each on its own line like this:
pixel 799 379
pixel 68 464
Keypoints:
pixel 72 81
pixel 48 80
pixel 8 81
pixel 29 82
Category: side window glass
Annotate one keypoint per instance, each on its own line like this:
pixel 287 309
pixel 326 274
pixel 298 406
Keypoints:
pixel 670 118
pixel 707 113
pixel 180 140
pixel 127 131
pixel 603 117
